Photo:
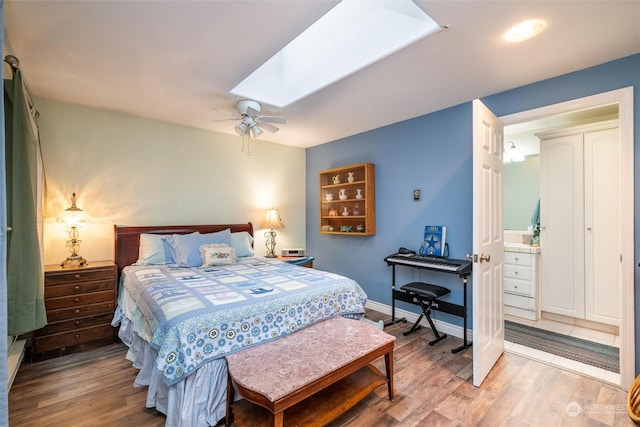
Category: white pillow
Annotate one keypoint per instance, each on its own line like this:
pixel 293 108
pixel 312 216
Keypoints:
pixel 217 254
pixel 241 241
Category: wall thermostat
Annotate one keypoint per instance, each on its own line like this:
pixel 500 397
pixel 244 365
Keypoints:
pixel 293 252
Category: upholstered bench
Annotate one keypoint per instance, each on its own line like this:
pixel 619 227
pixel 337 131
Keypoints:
pixel 309 377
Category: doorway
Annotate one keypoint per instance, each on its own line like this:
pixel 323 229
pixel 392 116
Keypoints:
pixel 610 105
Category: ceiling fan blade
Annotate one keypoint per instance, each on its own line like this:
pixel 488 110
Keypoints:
pixel 231 113
pixel 266 126
pixel 226 120
pixel 272 119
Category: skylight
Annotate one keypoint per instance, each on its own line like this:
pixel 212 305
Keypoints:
pixel 348 38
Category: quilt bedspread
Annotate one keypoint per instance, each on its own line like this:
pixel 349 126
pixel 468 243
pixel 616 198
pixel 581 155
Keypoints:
pixel 200 314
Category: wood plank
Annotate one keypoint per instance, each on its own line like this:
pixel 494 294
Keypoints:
pixel 432 387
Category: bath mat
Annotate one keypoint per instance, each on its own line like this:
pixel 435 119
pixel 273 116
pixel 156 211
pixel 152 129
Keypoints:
pixel 594 354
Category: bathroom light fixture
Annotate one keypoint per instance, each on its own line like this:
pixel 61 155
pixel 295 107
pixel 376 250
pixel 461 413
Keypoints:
pixel 272 221
pixel 351 36
pixel 511 153
pixel 525 30
pixel 72 216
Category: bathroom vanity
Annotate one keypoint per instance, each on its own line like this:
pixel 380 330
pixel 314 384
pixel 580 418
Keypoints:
pixel 521 284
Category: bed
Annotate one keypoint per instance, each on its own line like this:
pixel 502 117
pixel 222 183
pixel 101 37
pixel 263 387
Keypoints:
pixel 180 319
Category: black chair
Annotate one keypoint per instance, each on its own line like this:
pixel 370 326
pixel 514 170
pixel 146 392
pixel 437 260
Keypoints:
pixel 426 296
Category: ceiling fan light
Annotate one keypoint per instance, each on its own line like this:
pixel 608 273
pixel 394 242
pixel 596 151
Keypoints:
pixel 241 129
pixel 256 131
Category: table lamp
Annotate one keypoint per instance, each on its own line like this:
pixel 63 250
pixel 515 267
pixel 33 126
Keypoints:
pixel 272 221
pixel 72 217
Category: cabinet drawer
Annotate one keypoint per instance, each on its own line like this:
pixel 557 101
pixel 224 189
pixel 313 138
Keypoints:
pixel 517 271
pixel 80 311
pixel 53 342
pixel 517 286
pixel 78 288
pixel 517 258
pixel 522 302
pixel 75 276
pixel 78 300
pixel 74 324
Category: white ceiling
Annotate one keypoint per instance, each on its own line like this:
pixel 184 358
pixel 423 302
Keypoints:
pixel 175 61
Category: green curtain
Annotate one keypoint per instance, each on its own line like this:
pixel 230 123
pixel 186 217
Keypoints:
pixel 25 277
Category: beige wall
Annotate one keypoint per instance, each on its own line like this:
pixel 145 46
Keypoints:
pixel 134 171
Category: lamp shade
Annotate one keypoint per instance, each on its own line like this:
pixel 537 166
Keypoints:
pixel 73 215
pixel 272 219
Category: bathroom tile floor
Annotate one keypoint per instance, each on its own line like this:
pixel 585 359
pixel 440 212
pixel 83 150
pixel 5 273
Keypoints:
pixel 561 362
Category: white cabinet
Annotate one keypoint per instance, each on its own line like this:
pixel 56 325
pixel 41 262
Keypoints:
pixel 580 225
pixel 521 283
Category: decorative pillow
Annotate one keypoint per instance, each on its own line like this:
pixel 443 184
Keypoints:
pixel 152 250
pixel 186 247
pixel 217 254
pixel 242 243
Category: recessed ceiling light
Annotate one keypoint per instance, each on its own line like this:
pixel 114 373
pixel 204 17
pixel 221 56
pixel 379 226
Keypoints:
pixel 351 36
pixel 525 30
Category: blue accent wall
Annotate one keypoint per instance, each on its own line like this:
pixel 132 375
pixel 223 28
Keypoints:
pixel 433 153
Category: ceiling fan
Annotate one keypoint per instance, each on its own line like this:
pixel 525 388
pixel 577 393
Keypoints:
pixel 251 122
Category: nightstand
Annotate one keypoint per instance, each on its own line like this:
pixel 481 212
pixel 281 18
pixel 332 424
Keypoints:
pixel 80 303
pixel 303 261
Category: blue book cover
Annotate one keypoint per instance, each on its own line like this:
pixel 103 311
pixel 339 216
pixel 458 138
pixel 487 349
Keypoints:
pixel 434 240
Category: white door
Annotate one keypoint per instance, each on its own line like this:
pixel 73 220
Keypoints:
pixel 562 226
pixel 602 226
pixel 488 245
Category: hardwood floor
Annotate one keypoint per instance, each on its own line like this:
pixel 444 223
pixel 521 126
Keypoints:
pixel 432 387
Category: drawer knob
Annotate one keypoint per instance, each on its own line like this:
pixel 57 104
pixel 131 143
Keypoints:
pixel 77 322
pixel 77 310
pixel 516 258
pixel 516 272
pixel 77 336
pixel 76 288
pixel 76 300
pixel 77 276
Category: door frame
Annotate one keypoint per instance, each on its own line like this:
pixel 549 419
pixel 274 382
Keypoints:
pixel 624 98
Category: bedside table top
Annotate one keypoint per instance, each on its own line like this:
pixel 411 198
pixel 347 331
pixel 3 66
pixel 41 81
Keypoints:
pixel 90 264
pixel 296 260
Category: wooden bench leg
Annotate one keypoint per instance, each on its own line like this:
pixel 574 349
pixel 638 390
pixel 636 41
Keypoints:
pixel 277 419
pixel 388 362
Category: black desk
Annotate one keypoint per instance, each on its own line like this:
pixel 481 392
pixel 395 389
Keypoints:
pixel 462 268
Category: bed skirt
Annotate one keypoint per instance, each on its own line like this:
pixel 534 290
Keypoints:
pixel 198 400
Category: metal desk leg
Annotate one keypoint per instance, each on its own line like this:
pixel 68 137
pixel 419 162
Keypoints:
pixel 465 344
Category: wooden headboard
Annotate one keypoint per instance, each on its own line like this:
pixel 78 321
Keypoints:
pixel 127 239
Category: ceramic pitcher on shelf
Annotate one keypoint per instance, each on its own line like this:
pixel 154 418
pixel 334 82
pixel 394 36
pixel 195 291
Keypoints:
pixel 343 194
pixel 359 195
pixel 350 177
pixel 336 179
pixel 328 197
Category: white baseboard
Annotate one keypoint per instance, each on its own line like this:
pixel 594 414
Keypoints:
pixel 447 328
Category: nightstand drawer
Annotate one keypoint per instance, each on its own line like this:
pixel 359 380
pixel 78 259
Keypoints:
pixel 75 312
pixel 78 300
pixel 57 341
pixel 74 324
pixel 78 288
pixel 66 277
